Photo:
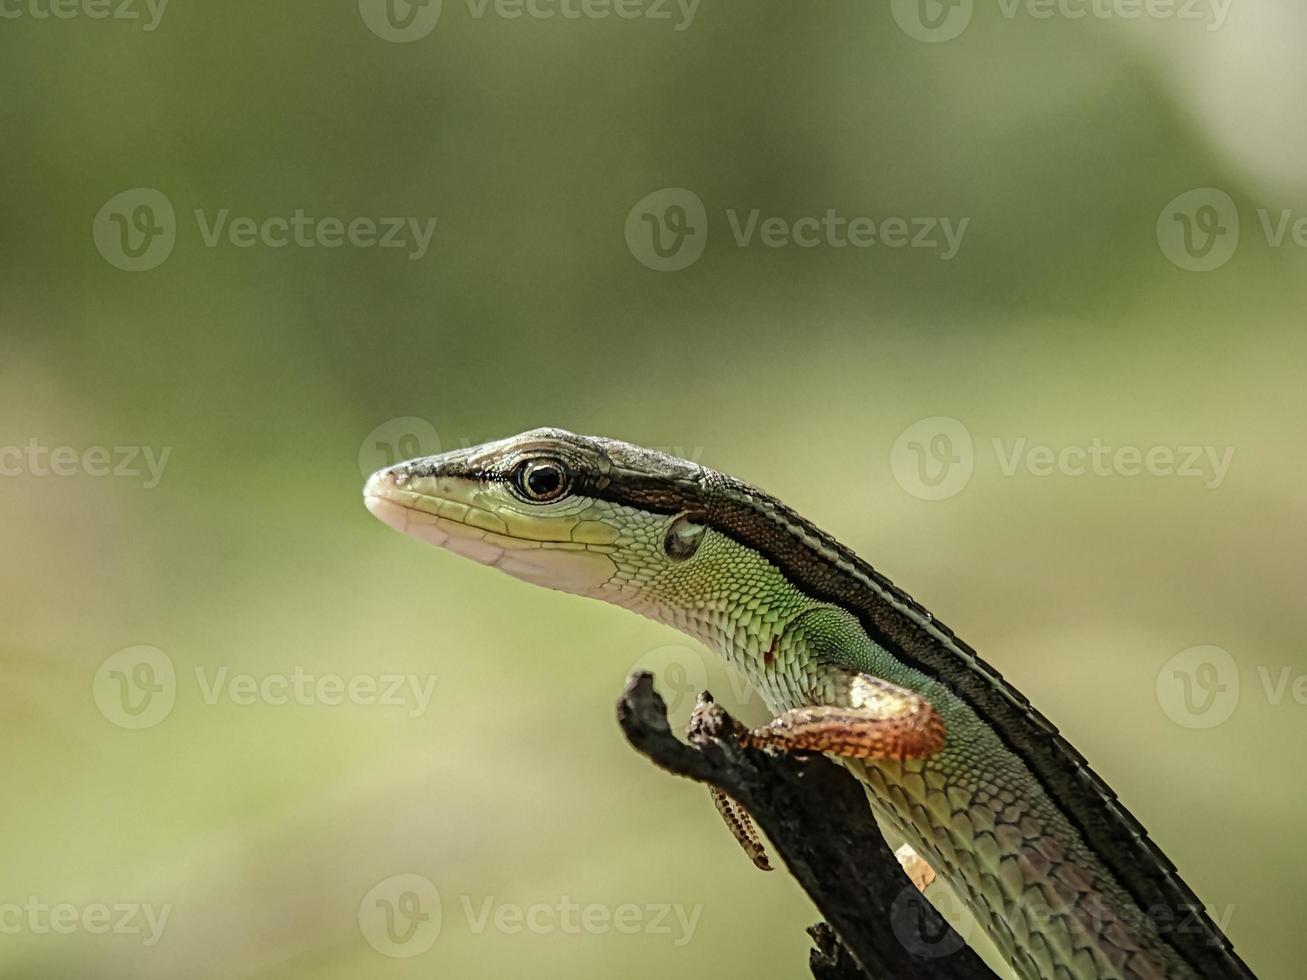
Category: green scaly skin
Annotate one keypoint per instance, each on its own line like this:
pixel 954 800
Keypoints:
pixel 1062 878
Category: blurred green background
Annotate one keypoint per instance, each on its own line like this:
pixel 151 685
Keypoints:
pixel 275 377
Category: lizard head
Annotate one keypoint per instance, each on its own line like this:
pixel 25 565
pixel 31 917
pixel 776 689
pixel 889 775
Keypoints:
pixel 586 515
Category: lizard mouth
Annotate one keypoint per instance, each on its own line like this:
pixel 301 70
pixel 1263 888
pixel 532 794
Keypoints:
pixel 455 514
pixel 442 512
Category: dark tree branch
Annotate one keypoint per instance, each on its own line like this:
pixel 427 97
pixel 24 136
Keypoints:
pixel 829 959
pixel 817 818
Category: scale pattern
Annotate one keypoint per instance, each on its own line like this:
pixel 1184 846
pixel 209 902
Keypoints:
pixel 973 811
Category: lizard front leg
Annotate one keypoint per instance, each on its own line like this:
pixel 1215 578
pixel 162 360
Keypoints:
pixel 854 715
pixel 880 721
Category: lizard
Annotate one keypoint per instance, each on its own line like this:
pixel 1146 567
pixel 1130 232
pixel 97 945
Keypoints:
pixel 955 760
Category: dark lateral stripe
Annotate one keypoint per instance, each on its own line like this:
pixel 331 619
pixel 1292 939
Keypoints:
pixel 908 630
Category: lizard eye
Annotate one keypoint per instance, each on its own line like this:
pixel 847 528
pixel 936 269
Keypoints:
pixel 541 480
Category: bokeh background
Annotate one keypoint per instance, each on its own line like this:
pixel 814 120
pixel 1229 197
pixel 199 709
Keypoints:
pixel 864 385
